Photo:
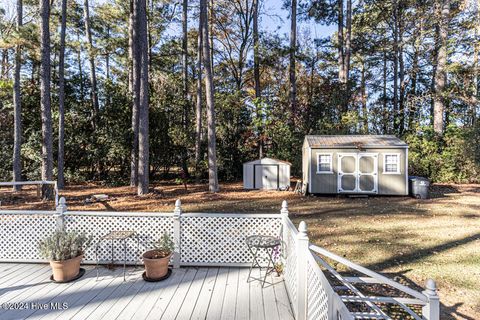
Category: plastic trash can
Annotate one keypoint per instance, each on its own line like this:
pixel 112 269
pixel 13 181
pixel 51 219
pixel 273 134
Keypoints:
pixel 418 187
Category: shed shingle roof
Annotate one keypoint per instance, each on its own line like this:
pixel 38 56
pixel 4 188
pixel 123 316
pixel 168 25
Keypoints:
pixel 354 141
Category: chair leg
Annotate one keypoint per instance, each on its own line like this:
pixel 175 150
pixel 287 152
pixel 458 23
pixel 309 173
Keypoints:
pixel 124 257
pixel 96 259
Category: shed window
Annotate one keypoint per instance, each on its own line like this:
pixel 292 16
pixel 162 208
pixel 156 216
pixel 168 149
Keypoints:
pixel 324 163
pixel 392 163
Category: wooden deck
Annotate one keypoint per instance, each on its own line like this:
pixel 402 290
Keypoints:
pixel 190 293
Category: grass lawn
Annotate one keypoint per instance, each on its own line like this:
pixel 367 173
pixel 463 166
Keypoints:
pixel 410 240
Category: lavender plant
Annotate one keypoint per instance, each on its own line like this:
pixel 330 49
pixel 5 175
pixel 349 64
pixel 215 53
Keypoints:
pixel 63 245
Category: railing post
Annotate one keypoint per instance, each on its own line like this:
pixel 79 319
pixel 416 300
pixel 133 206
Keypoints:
pixel 61 209
pixel 431 311
pixel 284 213
pixel 302 251
pixel 177 212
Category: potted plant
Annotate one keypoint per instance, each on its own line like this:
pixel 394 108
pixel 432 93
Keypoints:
pixel 156 260
pixel 65 251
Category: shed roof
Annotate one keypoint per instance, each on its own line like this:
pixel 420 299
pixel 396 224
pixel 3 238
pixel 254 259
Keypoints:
pixel 354 141
pixel 267 161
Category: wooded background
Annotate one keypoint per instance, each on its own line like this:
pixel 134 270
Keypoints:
pixel 103 91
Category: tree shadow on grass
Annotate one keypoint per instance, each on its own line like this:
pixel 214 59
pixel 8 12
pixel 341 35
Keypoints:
pixel 447 312
pixel 422 253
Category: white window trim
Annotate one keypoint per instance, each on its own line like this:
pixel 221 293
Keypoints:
pixel 385 163
pixel 331 162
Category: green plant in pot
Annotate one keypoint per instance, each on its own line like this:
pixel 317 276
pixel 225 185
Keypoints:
pixel 156 260
pixel 65 251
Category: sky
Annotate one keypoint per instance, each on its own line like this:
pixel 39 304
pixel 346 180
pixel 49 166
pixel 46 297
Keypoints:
pixel 274 19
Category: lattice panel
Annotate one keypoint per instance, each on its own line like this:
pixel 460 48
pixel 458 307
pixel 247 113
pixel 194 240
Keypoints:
pixel 317 300
pixel 21 233
pixel 290 269
pixel 222 239
pixel 148 229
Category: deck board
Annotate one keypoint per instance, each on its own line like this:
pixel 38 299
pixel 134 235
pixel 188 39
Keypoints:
pixel 205 295
pixel 190 293
pixel 216 304
pixel 243 296
pixel 230 299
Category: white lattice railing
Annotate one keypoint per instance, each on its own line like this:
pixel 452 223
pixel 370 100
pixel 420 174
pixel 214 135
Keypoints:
pixel 409 302
pixel 211 239
pixel 20 232
pixel 308 289
pixel 148 226
pixel 206 239
pixel 202 239
pixel 313 297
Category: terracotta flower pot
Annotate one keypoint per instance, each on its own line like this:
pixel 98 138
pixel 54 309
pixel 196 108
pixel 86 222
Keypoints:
pixel 155 268
pixel 67 269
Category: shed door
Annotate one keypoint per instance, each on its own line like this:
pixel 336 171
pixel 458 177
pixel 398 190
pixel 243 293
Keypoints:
pixel 357 172
pixel 367 172
pixel 347 172
pixel 266 176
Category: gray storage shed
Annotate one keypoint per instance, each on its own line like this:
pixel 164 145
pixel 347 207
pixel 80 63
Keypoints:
pixel 355 164
pixel 266 173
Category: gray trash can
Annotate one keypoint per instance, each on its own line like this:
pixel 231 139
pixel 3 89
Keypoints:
pixel 418 187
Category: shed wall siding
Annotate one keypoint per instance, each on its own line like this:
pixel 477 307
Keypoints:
pixel 248 176
pixel 305 163
pixel 388 184
pixel 284 178
pixel 252 166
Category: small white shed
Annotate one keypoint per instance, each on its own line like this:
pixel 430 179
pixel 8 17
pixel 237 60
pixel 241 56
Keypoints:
pixel 266 173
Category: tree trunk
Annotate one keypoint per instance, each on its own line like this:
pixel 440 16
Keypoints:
pixel 412 107
pixel 61 99
pixel 256 57
pixel 211 24
pixel 149 35
pixel 384 95
pixel 341 59
pixel 292 75
pixel 401 63
pixel 107 59
pixel 256 72
pixel 130 48
pixel 443 8
pixel 186 96
pixel 340 43
pixel 143 137
pixel 363 86
pixel 348 40
pixel 209 92
pixel 45 103
pixel 17 105
pixel 395 67
pixel 198 109
pixel 135 87
pixel 80 68
pixel 91 58
pixel 434 74
pixel 474 105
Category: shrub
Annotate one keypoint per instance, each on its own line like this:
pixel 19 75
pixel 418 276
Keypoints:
pixel 163 246
pixel 454 158
pixel 63 245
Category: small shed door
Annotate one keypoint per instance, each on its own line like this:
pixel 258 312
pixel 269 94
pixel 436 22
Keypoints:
pixel 347 172
pixel 367 172
pixel 357 172
pixel 266 176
